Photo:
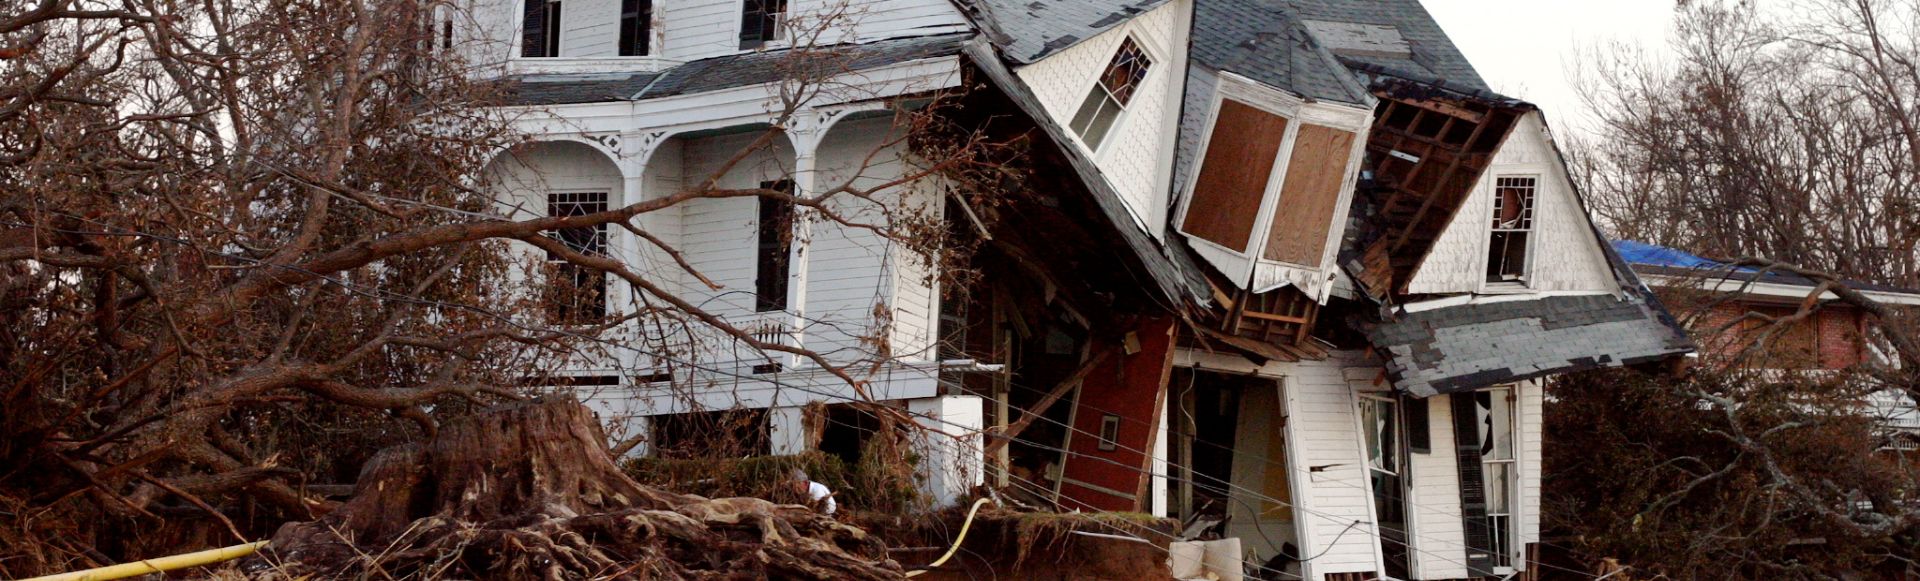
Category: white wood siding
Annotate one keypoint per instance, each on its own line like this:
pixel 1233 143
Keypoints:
pixel 697 29
pixel 1532 400
pixel 1322 398
pixel 1137 155
pixel 1439 531
pixel 720 235
pixel 1566 255
pixel 853 271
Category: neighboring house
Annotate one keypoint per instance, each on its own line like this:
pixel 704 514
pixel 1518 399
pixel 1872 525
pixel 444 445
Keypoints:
pixel 1713 297
pixel 1286 261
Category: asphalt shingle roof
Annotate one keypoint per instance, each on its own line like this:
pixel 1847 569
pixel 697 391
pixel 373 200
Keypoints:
pixel 1028 30
pixel 1462 348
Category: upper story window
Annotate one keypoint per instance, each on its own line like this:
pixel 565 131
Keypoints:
pixel 577 294
pixel 1110 96
pixel 540 29
pixel 761 22
pixel 1512 236
pixel 636 27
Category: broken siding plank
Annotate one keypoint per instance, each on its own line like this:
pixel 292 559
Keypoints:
pixel 1321 402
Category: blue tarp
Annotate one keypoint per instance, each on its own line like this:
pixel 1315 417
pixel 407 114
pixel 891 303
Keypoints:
pixel 1643 254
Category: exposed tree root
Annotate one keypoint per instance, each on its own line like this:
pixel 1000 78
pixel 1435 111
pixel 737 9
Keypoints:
pixel 529 491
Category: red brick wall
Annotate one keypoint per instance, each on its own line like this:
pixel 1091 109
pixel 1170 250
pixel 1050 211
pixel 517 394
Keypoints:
pixel 1830 340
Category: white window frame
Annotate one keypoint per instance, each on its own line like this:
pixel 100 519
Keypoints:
pixel 1155 62
pixel 1528 282
pixel 1509 551
pixel 782 35
pixel 1297 111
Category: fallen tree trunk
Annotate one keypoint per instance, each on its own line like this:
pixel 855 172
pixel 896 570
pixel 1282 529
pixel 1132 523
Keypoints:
pixel 529 490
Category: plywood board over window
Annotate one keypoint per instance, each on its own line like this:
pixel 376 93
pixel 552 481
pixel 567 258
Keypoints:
pixel 1233 175
pixel 1309 195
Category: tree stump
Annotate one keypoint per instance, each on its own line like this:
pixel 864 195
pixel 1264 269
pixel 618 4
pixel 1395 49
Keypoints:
pixel 529 490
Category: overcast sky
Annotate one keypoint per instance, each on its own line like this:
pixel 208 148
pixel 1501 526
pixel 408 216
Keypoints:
pixel 1527 48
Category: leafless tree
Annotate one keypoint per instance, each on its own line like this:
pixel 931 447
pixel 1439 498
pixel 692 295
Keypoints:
pixel 1779 139
pixel 245 244
pixel 1787 132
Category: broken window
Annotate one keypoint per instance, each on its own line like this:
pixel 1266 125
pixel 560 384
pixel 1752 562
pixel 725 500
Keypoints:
pixel 1233 176
pixel 576 294
pixel 1381 425
pixel 540 29
pixel 636 27
pixel 761 22
pixel 776 240
pixel 1495 413
pixel 1110 96
pixel 1512 228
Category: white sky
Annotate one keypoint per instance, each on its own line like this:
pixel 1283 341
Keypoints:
pixel 1528 48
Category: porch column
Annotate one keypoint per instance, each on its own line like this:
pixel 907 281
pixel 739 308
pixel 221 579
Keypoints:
pixel 805 130
pixel 787 429
pixel 949 448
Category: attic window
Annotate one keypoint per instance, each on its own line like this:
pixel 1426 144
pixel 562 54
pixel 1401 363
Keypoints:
pixel 761 22
pixel 1512 228
pixel 1109 97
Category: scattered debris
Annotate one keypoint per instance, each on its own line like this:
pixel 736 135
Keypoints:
pixel 529 491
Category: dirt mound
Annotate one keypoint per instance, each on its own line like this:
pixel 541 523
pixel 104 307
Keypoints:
pixel 530 491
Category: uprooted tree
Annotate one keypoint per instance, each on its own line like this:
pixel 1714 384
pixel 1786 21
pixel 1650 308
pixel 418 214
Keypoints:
pixel 244 246
pixel 1790 133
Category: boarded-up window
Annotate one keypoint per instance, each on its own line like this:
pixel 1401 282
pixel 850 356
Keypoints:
pixel 1233 176
pixel 1309 196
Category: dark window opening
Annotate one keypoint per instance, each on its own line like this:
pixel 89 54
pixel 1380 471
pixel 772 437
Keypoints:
pixel 446 34
pixel 761 22
pixel 540 32
pixel 1110 96
pixel 1512 229
pixel 636 27
pixel 847 431
pixel 776 240
pixel 576 294
pixel 712 435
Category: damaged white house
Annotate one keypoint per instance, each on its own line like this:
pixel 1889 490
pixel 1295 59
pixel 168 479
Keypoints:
pixel 1288 264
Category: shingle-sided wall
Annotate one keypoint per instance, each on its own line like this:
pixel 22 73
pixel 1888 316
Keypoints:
pixel 1136 155
pixel 1566 255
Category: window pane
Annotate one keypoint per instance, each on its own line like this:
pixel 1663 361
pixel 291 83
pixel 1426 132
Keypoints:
pixel 1088 107
pixel 1499 487
pixel 1105 113
pixel 1377 418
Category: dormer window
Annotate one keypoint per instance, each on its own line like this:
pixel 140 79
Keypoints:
pixel 540 29
pixel 636 27
pixel 761 22
pixel 1512 226
pixel 1110 96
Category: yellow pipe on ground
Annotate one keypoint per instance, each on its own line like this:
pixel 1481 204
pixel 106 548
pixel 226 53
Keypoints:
pixel 956 540
pixel 158 565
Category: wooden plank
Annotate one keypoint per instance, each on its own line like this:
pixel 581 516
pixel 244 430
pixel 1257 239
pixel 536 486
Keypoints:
pixel 1309 195
pixel 1233 175
pixel 1040 408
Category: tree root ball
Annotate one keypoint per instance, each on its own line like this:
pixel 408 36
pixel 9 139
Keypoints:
pixel 529 490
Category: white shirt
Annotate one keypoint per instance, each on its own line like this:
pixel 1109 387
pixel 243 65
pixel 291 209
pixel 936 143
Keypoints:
pixel 817 491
